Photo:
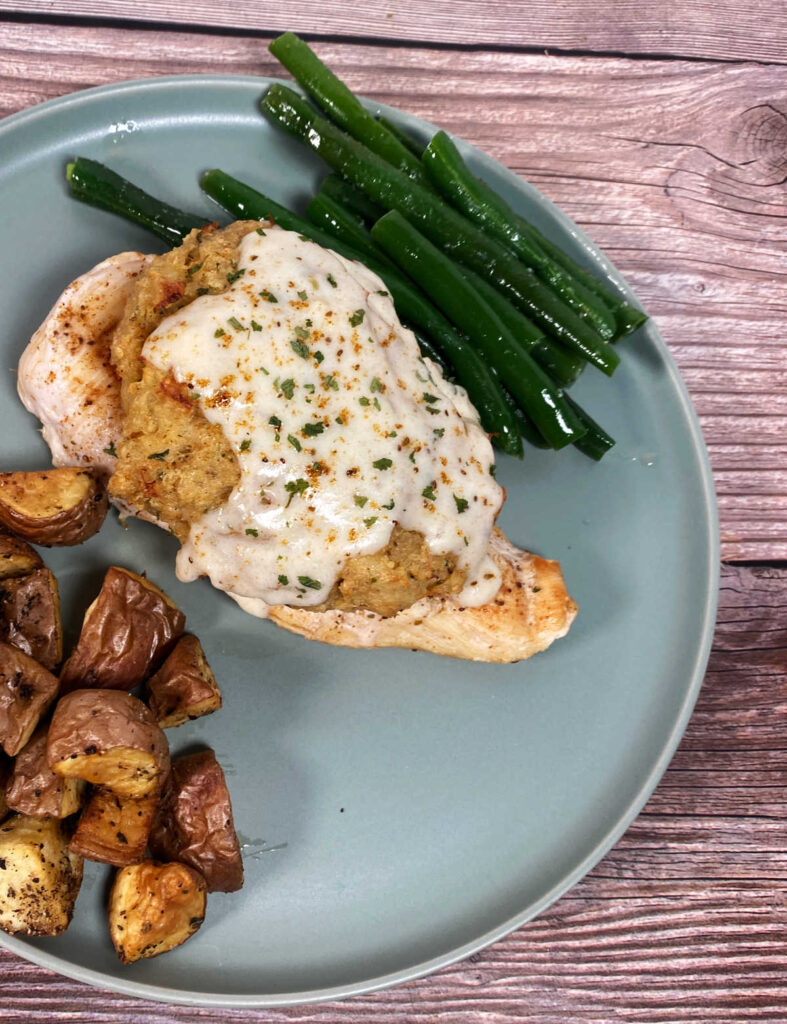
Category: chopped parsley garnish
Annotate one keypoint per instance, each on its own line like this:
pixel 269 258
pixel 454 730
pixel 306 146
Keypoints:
pixel 300 348
pixel 235 322
pixel 287 387
pixel 331 382
pixel 303 296
pixel 357 317
pixel 429 492
pixel 293 487
pixel 255 326
pixel 429 399
pixel 432 410
pixel 301 332
pixel 309 388
pixel 461 504
pixel 111 450
pixel 332 281
pixel 363 400
pixel 382 463
pixel 294 442
pixel 245 444
pixel 260 232
pixel 438 431
pixel 370 521
pixel 360 500
pixel 492 469
pixel 313 429
pixel 193 270
pixel 283 580
pixel 390 505
pixel 376 385
pixel 340 421
pixel 307 581
pixel 376 403
pixel 263 370
pixel 250 532
pixel 160 455
pixel 318 357
pixel 412 457
pixel 268 296
pixel 380 292
pixel 234 275
pixel 203 291
pixel 275 422
pixel 219 332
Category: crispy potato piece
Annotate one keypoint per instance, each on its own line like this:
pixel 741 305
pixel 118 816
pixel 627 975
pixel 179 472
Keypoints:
pixel 26 691
pixel 35 790
pixel 53 506
pixel 108 738
pixel 128 630
pixel 184 687
pixel 40 877
pixel 194 822
pixel 30 616
pixel 114 830
pixel 154 908
pixel 16 557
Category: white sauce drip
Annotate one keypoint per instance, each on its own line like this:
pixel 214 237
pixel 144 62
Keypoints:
pixel 340 428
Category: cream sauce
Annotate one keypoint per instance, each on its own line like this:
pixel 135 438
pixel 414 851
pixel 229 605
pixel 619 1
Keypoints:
pixel 341 429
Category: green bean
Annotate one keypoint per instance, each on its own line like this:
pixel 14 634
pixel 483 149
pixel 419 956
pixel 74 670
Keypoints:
pixel 450 291
pixel 481 204
pixel 356 202
pixel 443 225
pixel 341 105
pixel 324 213
pixel 97 185
pixel 596 442
pixel 415 147
pixel 242 202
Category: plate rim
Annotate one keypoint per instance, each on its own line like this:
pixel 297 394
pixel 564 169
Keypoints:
pixel 712 552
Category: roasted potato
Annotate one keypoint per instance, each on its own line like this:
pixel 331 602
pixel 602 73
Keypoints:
pixel 16 557
pixel 108 738
pixel 114 830
pixel 154 908
pixel 30 616
pixel 53 506
pixel 26 691
pixel 194 822
pixel 128 630
pixel 184 687
pixel 35 790
pixel 40 876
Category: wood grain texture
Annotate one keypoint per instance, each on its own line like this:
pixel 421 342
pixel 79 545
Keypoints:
pixel 677 170
pixel 682 922
pixel 716 29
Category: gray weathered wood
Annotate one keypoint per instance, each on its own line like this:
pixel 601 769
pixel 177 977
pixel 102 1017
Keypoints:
pixel 717 29
pixel 676 169
pixel 683 921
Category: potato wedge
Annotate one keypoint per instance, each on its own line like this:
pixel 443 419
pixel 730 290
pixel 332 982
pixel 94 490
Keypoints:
pixel 40 877
pixel 30 616
pixel 17 558
pixel 184 687
pixel 127 632
pixel 35 790
pixel 194 822
pixel 53 506
pixel 109 738
pixel 114 830
pixel 26 691
pixel 154 908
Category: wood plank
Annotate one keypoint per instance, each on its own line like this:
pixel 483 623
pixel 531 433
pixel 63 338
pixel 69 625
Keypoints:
pixel 675 169
pixel 683 921
pixel 712 29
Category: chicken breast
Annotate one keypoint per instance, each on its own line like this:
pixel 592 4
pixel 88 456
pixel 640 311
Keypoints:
pixel 66 378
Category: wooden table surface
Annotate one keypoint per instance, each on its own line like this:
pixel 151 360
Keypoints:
pixel 661 129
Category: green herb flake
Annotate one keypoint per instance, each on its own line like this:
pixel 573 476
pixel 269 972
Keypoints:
pixel 429 492
pixel 268 296
pixel 283 580
pixel 255 326
pixel 331 382
pixel 275 422
pixel 309 388
pixel 301 332
pixel 219 332
pixel 493 470
pixel 160 455
pixel 431 409
pixel 307 581
pixel 250 532
pixel 235 322
pixel 263 370
pixel 430 399
pixel 332 281
pixel 381 292
pixel 390 505
pixel 438 431
pixel 376 385
pixel 363 400
pixel 294 442
pixel 461 504
pixel 193 270
pixel 356 318
pixel 370 521
pixel 203 291
pixel 360 500
pixel 340 421
pixel 111 450
pixel 299 486
pixel 313 429
pixel 260 232
pixel 245 444
pixel 303 296
pixel 300 348
pixel 233 276
pixel 412 457
pixel 318 357
pixel 382 463
pixel 287 387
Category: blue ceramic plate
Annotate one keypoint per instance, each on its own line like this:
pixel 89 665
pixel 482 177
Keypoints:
pixel 398 811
